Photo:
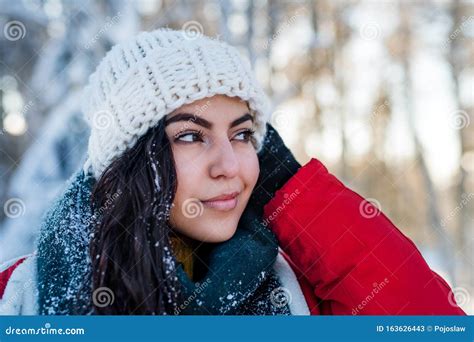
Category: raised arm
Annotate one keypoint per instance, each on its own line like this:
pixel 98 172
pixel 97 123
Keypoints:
pixel 354 257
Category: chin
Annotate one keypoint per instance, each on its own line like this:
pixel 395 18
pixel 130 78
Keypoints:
pixel 221 236
pixel 204 229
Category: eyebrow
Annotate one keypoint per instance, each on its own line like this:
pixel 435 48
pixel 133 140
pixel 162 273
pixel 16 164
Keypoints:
pixel 203 122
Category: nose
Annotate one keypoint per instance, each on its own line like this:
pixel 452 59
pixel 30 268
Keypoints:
pixel 224 161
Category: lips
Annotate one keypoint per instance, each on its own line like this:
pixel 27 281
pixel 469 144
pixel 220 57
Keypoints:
pixel 223 197
pixel 223 202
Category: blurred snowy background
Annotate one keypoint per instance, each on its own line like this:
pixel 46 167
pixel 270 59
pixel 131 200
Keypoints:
pixel 380 91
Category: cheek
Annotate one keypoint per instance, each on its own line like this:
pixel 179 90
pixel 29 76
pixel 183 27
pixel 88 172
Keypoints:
pixel 250 169
pixel 188 214
pixel 188 175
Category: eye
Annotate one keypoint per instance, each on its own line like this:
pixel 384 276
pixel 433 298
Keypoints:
pixel 189 137
pixel 245 135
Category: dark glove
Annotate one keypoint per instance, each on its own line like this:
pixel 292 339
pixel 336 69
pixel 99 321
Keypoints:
pixel 277 166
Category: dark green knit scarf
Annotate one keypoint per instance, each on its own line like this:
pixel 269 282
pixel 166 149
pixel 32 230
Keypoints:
pixel 240 280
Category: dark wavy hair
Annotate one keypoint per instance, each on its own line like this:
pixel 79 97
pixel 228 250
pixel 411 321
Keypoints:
pixel 130 249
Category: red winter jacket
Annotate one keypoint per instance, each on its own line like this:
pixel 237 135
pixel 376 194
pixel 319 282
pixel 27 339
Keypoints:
pixel 343 256
pixel 349 258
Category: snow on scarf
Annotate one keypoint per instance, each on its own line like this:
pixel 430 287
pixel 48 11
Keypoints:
pixel 243 281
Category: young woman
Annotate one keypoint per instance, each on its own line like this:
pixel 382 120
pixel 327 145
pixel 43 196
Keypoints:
pixel 190 203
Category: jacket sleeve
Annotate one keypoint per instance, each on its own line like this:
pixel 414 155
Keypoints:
pixel 353 256
pixel 18 295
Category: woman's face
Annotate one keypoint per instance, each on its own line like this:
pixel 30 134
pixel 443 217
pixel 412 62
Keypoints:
pixel 216 165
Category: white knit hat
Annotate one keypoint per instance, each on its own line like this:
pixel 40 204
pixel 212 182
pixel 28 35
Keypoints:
pixel 139 82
